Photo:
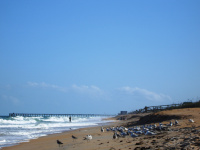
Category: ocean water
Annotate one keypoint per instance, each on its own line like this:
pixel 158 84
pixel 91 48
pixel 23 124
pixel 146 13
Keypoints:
pixel 14 130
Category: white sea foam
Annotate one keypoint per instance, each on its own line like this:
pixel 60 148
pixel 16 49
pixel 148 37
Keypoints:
pixel 15 130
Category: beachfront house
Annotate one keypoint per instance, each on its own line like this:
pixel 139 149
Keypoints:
pixel 123 113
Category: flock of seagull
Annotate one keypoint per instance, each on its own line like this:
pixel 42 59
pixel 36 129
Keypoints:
pixel 87 137
pixel 132 131
pixel 138 130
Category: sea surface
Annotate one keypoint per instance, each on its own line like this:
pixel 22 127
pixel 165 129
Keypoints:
pixel 15 130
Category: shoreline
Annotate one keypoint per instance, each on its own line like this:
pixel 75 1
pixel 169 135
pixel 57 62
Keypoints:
pixel 184 135
pixel 24 144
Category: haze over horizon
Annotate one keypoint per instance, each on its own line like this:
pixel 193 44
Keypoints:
pixel 97 56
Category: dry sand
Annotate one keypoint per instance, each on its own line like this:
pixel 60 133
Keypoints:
pixel 186 135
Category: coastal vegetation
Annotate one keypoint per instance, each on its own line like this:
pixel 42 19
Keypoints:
pixel 187 104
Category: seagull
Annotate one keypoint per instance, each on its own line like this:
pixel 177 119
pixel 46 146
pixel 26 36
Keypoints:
pixel 138 132
pixel 88 137
pixel 134 135
pixel 150 127
pixel 59 143
pixel 107 129
pixel 115 135
pixel 74 138
pixel 144 130
pixel 123 134
pixel 170 124
pixel 137 128
pixel 102 129
pixel 191 120
pixel 176 122
pixel 127 133
pixel 149 133
pixel 113 129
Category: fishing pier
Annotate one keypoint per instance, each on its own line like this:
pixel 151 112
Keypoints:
pixel 57 115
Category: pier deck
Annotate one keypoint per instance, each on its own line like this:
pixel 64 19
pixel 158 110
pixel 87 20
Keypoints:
pixel 51 115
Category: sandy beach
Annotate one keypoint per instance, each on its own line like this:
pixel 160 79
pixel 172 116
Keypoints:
pixel 185 135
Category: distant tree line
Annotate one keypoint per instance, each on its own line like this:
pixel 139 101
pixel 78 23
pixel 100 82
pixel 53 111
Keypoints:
pixel 188 105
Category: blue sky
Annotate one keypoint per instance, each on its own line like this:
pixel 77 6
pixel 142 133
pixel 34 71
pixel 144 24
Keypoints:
pixel 97 56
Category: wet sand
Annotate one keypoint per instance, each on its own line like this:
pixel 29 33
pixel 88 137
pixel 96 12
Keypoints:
pixel 185 135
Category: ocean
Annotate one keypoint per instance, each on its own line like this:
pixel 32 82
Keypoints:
pixel 15 130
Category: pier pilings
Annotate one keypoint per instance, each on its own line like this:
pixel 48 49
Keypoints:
pixel 57 115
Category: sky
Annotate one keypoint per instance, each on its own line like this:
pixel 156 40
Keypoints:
pixel 103 57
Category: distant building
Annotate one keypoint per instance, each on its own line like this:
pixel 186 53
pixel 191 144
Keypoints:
pixel 123 113
pixel 186 103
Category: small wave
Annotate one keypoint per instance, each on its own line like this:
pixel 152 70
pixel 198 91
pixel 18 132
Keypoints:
pixel 20 129
pixel 3 141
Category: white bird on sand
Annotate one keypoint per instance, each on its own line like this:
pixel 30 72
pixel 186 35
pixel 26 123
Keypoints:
pixel 138 132
pixel 170 124
pixel 176 122
pixel 145 130
pixel 102 129
pixel 160 126
pixel 107 129
pixel 150 127
pixel 191 120
pixel 123 134
pixel 137 128
pixel 113 129
pixel 149 133
pixel 88 137
pixel 134 135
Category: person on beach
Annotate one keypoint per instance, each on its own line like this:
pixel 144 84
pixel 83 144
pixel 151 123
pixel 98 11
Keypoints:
pixel 70 119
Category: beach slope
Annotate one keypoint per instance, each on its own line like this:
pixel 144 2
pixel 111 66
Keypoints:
pixel 184 135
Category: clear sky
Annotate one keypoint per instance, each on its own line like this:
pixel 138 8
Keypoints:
pixel 89 56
